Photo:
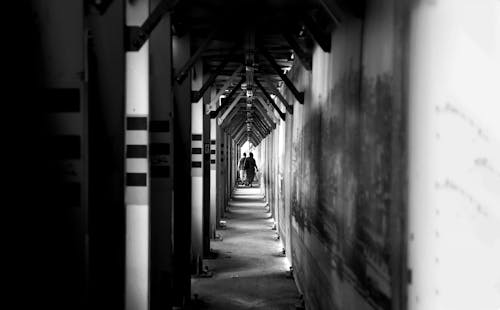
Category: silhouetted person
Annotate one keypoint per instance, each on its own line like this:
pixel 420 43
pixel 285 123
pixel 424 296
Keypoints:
pixel 250 167
pixel 241 168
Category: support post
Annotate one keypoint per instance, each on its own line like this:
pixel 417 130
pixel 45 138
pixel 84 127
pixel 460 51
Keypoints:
pixel 182 176
pixel 106 65
pixel 214 194
pixel 160 162
pixel 48 159
pixel 206 177
pixel 136 163
pixel 197 176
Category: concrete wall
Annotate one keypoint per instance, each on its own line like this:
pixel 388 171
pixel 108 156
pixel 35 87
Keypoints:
pixel 341 169
pixel 454 147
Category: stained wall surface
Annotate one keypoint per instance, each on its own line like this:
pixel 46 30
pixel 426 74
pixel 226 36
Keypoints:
pixel 335 169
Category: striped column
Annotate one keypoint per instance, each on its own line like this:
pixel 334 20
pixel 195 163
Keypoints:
pixel 54 157
pixel 66 143
pixel 136 166
pixel 197 111
pixel 213 178
pixel 68 149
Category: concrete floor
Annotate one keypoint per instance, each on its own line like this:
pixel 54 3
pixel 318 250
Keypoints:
pixel 249 271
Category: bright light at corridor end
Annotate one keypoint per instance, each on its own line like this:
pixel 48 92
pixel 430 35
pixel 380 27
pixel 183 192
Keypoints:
pixel 454 155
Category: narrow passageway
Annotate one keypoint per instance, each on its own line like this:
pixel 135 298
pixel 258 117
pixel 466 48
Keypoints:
pixel 369 127
pixel 249 272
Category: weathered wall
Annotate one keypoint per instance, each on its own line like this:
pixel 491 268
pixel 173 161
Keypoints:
pixel 340 168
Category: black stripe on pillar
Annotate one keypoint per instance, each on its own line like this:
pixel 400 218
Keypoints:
pixel 196 137
pixel 212 151
pixel 137 179
pixel 196 164
pixel 212 142
pixel 160 149
pixel 137 151
pixel 65 147
pixel 196 150
pixel 61 99
pixel 137 123
pixel 160 171
pixel 159 126
pixel 212 161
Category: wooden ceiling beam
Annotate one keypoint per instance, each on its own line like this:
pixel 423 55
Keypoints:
pixel 189 64
pixel 277 93
pixel 304 57
pixel 321 37
pixel 226 85
pixel 298 95
pixel 259 85
pixel 199 94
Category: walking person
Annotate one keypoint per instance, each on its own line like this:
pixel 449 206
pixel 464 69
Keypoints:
pixel 250 168
pixel 241 168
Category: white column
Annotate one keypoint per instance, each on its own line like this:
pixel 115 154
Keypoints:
pixel 197 110
pixel 136 165
pixel 213 177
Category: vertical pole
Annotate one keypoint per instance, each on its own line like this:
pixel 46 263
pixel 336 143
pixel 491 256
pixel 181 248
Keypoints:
pixel 182 175
pixel 220 172
pixel 206 174
pixel 55 129
pixel 160 162
pixel 229 161
pixel 106 74
pixel 197 178
pixel 136 165
pixel 214 180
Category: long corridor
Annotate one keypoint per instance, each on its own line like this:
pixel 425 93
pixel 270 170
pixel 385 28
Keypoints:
pixel 249 271
pixel 371 128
